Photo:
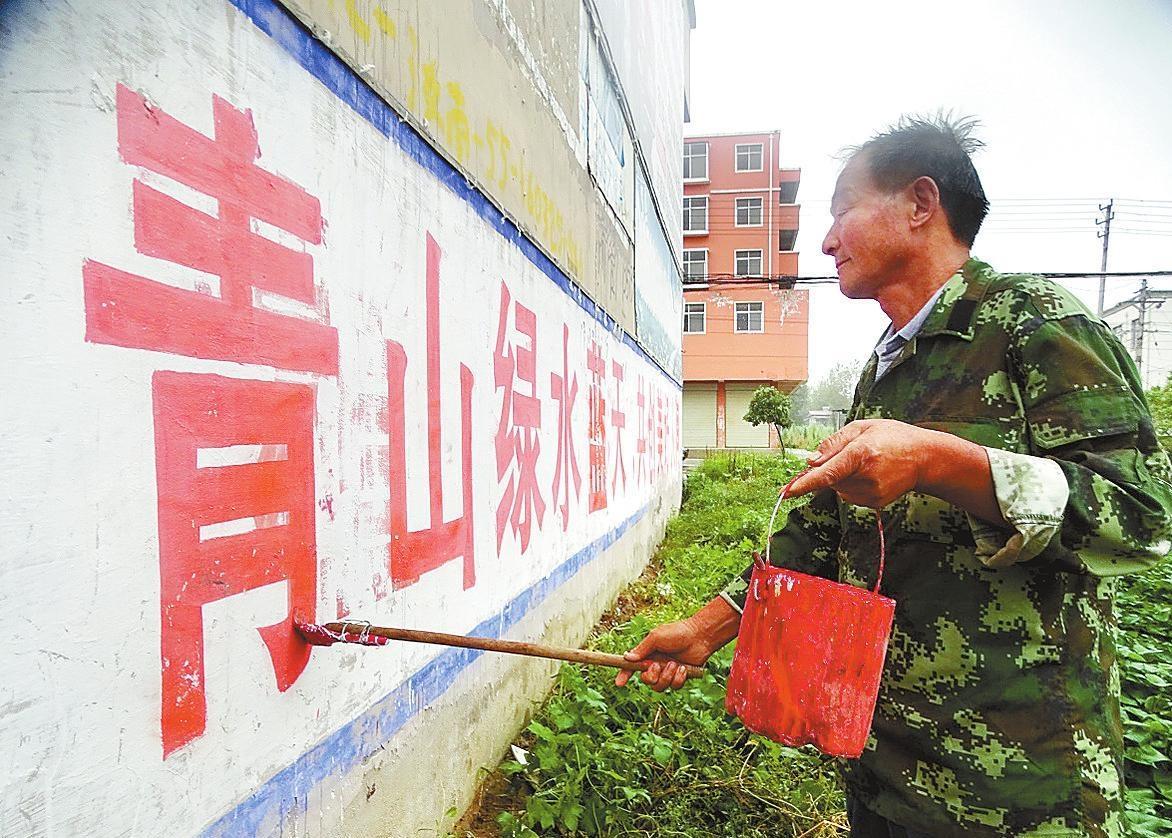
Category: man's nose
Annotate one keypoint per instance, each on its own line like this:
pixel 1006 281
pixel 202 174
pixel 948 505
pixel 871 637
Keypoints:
pixel 830 242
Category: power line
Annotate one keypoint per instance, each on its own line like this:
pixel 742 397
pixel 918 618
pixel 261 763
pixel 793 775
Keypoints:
pixel 713 281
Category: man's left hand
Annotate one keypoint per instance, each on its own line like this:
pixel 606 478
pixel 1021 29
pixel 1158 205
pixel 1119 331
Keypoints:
pixel 870 462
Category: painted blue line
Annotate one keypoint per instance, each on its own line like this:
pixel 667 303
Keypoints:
pixel 343 750
pixel 317 59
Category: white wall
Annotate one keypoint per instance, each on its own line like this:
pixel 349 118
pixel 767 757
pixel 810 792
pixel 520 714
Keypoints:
pixel 129 547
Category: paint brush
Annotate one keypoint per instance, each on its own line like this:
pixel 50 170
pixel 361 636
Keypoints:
pixel 368 635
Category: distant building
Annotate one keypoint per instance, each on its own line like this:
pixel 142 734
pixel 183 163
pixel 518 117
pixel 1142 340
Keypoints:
pixel 1144 324
pixel 744 325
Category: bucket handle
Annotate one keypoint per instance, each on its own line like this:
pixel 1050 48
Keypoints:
pixel 773 517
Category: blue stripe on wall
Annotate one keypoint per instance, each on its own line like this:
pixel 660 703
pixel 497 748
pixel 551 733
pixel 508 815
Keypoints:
pixel 278 23
pixel 345 749
pixel 342 751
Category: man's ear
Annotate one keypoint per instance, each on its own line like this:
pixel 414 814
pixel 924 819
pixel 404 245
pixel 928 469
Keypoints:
pixel 924 196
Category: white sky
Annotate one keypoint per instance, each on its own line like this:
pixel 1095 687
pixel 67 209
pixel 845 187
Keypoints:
pixel 1073 96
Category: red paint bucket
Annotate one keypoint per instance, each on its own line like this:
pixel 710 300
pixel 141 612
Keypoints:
pixel 809 658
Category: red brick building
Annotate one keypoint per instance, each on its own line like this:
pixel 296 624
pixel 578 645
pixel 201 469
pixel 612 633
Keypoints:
pixel 742 326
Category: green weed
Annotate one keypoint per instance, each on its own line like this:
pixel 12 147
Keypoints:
pixel 615 762
pixel 805 437
pixel 607 761
pixel 1145 655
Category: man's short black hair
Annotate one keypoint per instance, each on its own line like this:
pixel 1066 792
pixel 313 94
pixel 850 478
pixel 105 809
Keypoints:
pixel 937 147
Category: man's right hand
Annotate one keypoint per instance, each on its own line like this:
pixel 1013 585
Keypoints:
pixel 692 641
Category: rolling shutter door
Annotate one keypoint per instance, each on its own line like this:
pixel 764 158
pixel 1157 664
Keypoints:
pixel 699 416
pixel 737 432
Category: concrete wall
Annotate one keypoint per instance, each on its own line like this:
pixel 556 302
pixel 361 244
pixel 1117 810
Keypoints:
pixel 534 102
pixel 270 356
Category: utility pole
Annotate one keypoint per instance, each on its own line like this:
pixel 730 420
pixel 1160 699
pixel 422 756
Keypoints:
pixel 1143 331
pixel 1108 211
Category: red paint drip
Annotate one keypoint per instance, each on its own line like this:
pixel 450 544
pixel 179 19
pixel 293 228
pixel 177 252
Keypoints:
pixel 809 658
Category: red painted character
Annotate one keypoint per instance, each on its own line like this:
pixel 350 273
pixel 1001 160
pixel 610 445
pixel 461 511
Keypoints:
pixel 413 553
pixel 229 521
pixel 518 442
pixel 596 436
pixel 618 421
pixel 566 474
pixel 642 468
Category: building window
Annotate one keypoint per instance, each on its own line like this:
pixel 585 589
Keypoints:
pixel 694 318
pixel 750 317
pixel 695 161
pixel 786 239
pixel 748 263
pixel 749 157
pixel 749 212
pixel 787 193
pixel 696 215
pixel 695 265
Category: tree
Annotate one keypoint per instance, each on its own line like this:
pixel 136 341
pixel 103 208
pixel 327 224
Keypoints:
pixel 799 404
pixel 770 406
pixel 1160 402
pixel 835 390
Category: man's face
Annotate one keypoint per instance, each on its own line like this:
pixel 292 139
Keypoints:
pixel 866 238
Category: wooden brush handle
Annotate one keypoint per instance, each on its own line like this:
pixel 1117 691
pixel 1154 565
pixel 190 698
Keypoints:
pixel 512 647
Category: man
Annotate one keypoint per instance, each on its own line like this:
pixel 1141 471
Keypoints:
pixel 1003 432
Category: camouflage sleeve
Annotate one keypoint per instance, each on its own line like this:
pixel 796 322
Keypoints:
pixel 1032 493
pixel 806 543
pixel 1085 411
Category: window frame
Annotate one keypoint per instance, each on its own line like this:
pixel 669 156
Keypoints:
pixel 703 312
pixel 748 211
pixel 685 262
pixel 687 211
pixel 688 155
pixel 760 262
pixel 748 147
pixel 748 312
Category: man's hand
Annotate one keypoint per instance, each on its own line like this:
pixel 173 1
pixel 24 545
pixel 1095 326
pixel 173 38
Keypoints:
pixel 691 641
pixel 873 462
pixel 870 462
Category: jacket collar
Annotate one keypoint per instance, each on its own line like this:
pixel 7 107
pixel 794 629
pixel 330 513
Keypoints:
pixel 962 293
pixel 952 315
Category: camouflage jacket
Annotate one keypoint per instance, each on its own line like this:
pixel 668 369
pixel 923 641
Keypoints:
pixel 998 712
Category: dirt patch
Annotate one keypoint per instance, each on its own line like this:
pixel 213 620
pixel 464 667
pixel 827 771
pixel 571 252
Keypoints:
pixel 494 796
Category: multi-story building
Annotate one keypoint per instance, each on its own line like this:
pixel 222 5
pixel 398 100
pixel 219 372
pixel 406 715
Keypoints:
pixel 744 323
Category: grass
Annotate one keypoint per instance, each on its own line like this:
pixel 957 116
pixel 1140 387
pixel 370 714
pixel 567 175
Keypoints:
pixel 805 437
pixel 606 761
pixel 598 760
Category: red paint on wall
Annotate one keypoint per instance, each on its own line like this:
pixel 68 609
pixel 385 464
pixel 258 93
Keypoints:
pixel 596 436
pixel 194 412
pixel 567 479
pixel 411 554
pixel 618 421
pixel 642 470
pixel 125 309
pixel 518 435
